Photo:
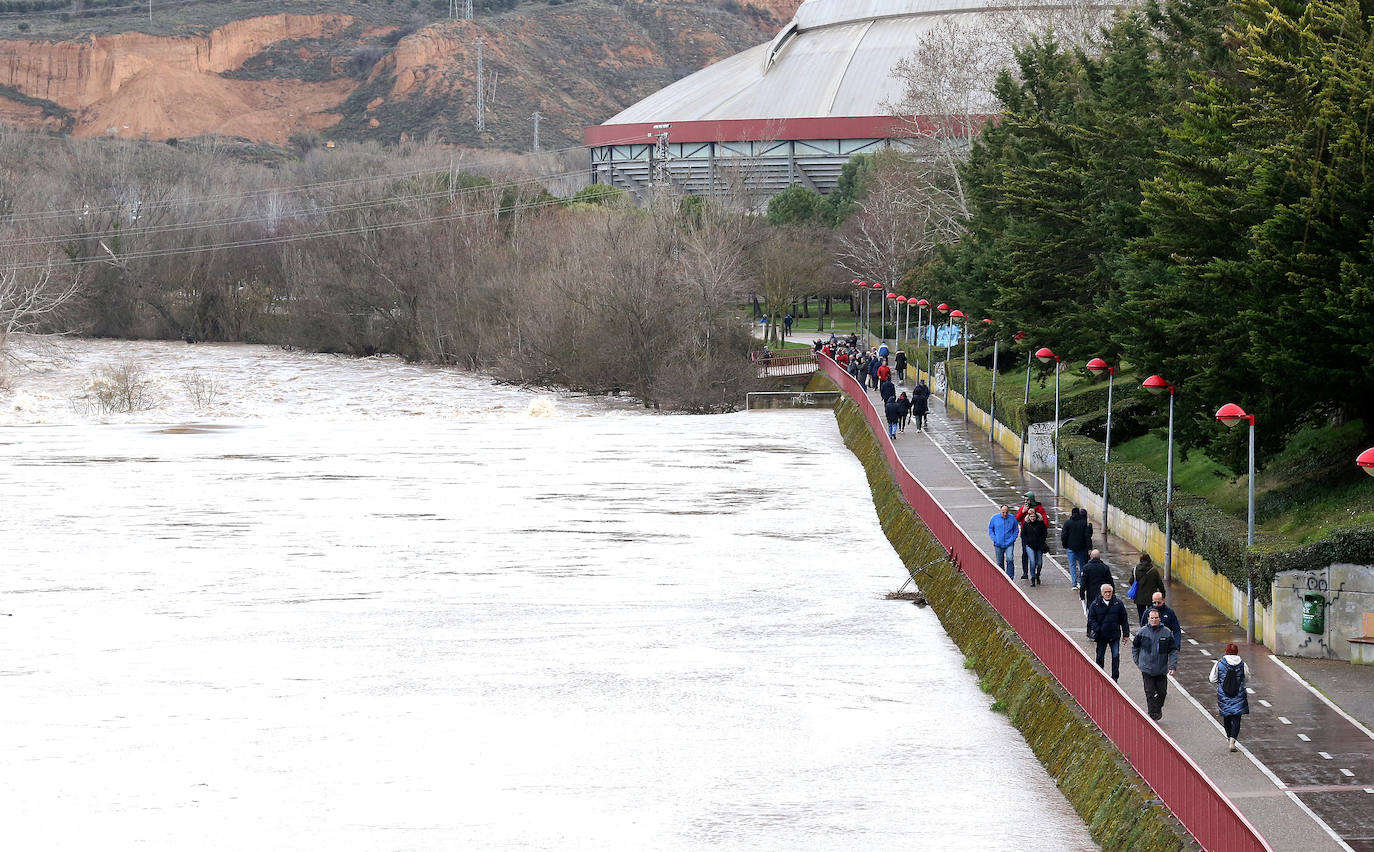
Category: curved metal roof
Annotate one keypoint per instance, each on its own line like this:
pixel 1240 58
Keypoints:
pixel 833 59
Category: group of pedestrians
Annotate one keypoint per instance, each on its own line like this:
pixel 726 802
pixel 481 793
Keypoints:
pixel 1155 644
pixel 871 369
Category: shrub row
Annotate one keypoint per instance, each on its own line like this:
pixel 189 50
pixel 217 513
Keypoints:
pixel 1198 525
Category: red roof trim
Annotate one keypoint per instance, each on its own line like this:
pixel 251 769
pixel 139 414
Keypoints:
pixel 753 129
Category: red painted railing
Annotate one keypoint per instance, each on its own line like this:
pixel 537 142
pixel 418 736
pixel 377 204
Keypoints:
pixel 1183 787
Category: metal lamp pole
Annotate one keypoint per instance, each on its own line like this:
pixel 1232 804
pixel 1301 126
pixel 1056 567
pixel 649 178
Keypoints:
pixel 963 332
pixel 882 313
pixel 1046 355
pixel 944 309
pixel 1097 366
pixel 1231 414
pixel 1025 402
pixel 1157 385
pixel 992 401
pixel 922 303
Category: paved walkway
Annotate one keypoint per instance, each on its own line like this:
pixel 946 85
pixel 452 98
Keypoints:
pixel 1304 776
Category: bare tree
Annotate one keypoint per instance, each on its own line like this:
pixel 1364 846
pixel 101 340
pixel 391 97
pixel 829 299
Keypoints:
pixel 30 297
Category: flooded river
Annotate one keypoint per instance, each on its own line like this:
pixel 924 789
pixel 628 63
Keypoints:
pixel 308 602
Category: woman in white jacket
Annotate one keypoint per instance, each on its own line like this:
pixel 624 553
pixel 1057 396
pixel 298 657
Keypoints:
pixel 1232 699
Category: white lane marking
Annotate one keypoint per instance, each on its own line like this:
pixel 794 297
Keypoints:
pixel 1250 690
pixel 1267 772
pixel 1265 703
pixel 1347 773
pixel 1194 641
pixel 1325 700
pixel 1205 652
pixel 1305 738
pixel 1369 789
pixel 1284 719
pixel 1324 755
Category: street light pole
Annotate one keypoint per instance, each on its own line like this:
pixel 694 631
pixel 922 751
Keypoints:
pixel 1097 365
pixel 1045 354
pixel 882 313
pixel 1025 402
pixel 963 332
pixel 1231 414
pixel 922 303
pixel 944 309
pixel 992 400
pixel 1157 385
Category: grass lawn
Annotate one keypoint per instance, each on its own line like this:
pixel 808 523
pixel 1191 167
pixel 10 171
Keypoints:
pixel 1197 474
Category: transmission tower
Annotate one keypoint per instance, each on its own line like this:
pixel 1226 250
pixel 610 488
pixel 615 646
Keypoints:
pixel 467 9
pixel 537 117
pixel 660 157
pixel 481 93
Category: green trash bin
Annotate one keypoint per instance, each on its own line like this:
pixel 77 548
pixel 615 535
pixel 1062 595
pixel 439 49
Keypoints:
pixel 1313 613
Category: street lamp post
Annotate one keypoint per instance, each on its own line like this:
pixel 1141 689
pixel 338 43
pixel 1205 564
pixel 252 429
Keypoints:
pixel 1025 402
pixel 896 316
pixel 922 303
pixel 1098 366
pixel 1157 385
pixel 1366 461
pixel 882 312
pixel 906 319
pixel 943 308
pixel 1231 414
pixel 1045 354
pixel 963 332
pixel 992 400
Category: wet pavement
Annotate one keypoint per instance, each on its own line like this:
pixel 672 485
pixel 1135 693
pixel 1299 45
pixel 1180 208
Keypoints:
pixel 1304 776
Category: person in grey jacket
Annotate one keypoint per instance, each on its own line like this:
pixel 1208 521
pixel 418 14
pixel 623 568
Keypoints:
pixel 1155 652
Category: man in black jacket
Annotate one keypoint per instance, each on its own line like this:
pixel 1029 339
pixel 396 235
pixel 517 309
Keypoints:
pixel 1108 624
pixel 1095 575
pixel 1077 539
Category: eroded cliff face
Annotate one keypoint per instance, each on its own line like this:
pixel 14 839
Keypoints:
pixel 576 63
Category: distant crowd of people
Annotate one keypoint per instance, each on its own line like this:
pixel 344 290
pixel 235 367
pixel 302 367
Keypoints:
pixel 871 370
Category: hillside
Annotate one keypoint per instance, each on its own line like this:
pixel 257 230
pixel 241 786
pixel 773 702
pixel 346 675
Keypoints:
pixel 383 71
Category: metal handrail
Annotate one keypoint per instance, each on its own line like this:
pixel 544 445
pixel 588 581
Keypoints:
pixel 1185 789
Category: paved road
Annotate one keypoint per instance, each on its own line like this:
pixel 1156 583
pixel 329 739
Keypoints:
pixel 1304 776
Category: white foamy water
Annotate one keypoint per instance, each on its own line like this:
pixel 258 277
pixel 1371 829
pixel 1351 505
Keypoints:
pixel 360 605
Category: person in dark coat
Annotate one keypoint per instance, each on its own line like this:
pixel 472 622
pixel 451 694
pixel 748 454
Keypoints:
pixel 1108 624
pixel 1231 707
pixel 1148 580
pixel 1166 615
pixel 1077 539
pixel 900 362
pixel 873 365
pixel 1095 575
pixel 906 411
pixel 893 410
pixel 1033 535
pixel 920 405
pixel 1030 505
pixel 887 390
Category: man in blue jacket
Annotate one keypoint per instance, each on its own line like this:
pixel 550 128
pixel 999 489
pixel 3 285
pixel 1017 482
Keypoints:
pixel 1003 529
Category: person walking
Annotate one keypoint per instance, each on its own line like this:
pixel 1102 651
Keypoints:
pixel 906 411
pixel 1077 539
pixel 887 390
pixel 884 371
pixel 873 364
pixel 1034 534
pixel 1003 530
pixel 1167 616
pixel 893 410
pixel 1155 653
pixel 1028 505
pixel 1147 581
pixel 786 326
pixel 1096 574
pixel 899 361
pixel 1228 673
pixel 1108 624
pixel 920 405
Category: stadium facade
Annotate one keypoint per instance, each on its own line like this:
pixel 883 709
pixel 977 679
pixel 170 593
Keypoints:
pixel 793 110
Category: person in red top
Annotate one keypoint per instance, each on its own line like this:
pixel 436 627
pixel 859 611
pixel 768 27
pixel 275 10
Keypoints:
pixel 1029 505
pixel 884 372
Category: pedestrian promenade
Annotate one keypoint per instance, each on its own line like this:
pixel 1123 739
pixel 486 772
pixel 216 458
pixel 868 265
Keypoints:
pixel 1304 776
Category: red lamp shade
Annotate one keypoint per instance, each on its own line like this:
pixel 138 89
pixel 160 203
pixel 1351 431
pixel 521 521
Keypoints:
pixel 1097 365
pixel 1366 461
pixel 1046 355
pixel 1155 384
pixel 876 286
pixel 1020 335
pixel 922 303
pixel 893 296
pixel 942 308
pixel 958 315
pixel 1231 414
pixel 987 321
pixel 903 299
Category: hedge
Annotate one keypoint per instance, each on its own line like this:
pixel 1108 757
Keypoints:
pixel 1198 525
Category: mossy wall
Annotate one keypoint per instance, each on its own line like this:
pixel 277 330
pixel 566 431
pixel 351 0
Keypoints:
pixel 1115 803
